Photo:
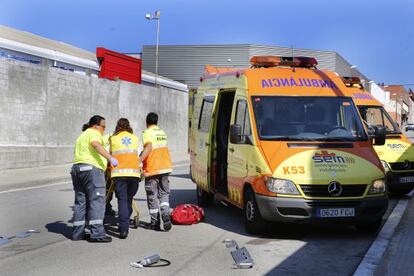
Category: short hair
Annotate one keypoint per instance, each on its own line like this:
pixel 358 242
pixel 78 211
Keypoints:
pixel 152 118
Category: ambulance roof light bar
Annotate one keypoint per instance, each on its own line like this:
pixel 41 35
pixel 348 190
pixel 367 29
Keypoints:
pixel 274 61
pixel 352 82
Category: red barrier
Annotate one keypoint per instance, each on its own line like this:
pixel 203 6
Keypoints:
pixel 116 66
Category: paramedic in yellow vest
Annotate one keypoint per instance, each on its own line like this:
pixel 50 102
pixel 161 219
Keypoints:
pixel 156 168
pixel 127 175
pixel 89 181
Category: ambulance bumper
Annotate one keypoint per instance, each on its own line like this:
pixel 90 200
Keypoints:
pixel 399 180
pixel 313 211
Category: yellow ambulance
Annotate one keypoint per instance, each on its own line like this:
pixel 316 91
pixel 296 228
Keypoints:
pixel 283 142
pixel 397 154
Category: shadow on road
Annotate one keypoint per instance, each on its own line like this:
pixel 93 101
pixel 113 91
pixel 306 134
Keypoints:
pixel 60 227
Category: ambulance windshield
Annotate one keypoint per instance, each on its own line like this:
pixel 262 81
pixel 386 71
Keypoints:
pixel 307 118
pixel 377 116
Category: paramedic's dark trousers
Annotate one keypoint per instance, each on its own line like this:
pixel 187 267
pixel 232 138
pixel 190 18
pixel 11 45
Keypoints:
pixel 125 188
pixel 89 186
pixel 158 194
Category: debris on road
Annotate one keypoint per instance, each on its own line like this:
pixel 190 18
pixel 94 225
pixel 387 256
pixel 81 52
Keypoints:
pixel 240 256
pixel 21 235
pixel 150 261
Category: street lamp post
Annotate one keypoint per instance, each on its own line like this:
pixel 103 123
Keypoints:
pixel 156 16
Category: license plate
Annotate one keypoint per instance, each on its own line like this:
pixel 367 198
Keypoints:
pixel 336 212
pixel 406 179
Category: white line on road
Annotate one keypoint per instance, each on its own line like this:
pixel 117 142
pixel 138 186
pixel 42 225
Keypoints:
pixel 62 183
pixel 374 255
pixel 35 187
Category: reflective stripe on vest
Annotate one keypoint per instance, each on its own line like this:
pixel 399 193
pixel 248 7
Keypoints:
pixel 124 151
pixel 158 160
pixel 124 147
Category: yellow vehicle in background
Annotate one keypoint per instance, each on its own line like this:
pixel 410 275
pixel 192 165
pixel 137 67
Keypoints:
pixel 282 142
pixel 397 154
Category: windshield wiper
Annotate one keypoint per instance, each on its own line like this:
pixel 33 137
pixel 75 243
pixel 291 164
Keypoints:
pixel 285 138
pixel 348 139
pixel 277 137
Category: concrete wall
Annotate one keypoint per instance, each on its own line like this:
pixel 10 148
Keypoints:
pixel 43 110
pixel 379 94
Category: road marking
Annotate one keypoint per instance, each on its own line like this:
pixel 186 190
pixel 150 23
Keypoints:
pixel 61 183
pixel 35 187
pixel 377 249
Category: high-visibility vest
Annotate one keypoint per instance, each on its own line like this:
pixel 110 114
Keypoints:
pixel 158 161
pixel 124 147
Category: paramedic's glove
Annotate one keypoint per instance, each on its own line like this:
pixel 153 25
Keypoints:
pixel 114 162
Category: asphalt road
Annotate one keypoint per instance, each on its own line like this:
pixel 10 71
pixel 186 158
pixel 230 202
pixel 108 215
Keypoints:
pixel 196 249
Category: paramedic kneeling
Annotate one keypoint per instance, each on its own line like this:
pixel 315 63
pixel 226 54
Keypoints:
pixel 89 181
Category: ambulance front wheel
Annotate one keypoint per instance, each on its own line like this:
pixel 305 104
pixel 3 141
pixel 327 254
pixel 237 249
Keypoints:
pixel 253 220
pixel 204 198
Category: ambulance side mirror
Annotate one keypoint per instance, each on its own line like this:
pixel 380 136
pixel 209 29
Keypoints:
pixel 379 136
pixel 235 134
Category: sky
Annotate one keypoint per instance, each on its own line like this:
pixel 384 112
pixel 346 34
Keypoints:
pixel 377 36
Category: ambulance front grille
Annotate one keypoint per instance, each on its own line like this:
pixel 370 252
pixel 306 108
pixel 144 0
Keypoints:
pixel 402 166
pixel 353 190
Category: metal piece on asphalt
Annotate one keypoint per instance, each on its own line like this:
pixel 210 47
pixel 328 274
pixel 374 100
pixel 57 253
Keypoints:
pixel 147 261
pixel 4 241
pixel 240 256
pixel 232 244
pixel 21 235
pixel 26 234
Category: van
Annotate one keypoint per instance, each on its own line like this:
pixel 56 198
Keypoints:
pixel 397 154
pixel 282 142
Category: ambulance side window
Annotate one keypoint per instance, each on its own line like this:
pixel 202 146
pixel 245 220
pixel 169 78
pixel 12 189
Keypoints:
pixel 242 117
pixel 205 115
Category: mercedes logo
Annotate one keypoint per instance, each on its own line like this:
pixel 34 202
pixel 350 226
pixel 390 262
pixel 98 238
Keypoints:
pixel 407 164
pixel 334 188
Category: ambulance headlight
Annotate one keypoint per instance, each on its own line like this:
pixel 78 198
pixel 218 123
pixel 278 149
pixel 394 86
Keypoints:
pixel 281 186
pixel 377 187
pixel 385 165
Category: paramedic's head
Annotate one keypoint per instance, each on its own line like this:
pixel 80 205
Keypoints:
pixel 152 119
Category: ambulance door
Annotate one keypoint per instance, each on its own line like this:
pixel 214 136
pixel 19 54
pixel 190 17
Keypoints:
pixel 239 153
pixel 203 141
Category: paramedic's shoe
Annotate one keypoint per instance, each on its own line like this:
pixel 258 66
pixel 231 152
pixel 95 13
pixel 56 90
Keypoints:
pixel 103 239
pixel 166 219
pixel 85 236
pixel 155 227
pixel 123 234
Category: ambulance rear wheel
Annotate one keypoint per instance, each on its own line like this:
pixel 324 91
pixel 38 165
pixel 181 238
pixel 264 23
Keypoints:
pixel 253 220
pixel 204 198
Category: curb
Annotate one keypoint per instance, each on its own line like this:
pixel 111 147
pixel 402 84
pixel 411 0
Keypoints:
pixel 376 251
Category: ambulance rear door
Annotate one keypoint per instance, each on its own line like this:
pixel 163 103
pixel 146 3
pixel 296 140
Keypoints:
pixel 202 150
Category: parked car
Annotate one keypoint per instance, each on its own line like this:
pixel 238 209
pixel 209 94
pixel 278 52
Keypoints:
pixel 409 127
